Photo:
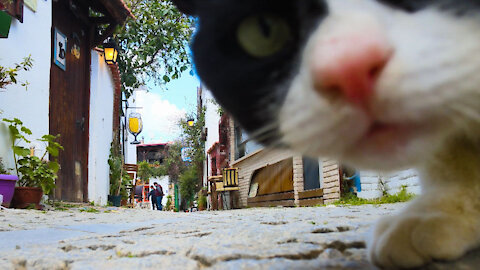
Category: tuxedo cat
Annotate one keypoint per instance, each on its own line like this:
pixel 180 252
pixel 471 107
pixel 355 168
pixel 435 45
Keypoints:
pixel 377 84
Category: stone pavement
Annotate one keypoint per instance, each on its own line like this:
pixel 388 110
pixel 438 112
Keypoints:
pixel 257 238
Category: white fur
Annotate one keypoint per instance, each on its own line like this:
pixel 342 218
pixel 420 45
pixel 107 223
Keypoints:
pixel 431 85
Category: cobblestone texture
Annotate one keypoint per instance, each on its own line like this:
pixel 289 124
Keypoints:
pixel 268 238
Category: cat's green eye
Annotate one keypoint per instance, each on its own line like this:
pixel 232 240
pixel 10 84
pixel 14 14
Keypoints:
pixel 263 35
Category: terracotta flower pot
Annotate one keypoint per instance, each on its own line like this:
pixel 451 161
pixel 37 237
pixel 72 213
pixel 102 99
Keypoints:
pixel 26 196
pixel 7 187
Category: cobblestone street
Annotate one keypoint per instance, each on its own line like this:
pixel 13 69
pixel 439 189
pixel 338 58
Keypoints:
pixel 257 238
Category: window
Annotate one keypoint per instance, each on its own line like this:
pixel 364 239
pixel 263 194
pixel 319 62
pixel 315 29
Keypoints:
pixel 243 144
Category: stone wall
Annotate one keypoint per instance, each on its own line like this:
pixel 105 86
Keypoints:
pixel 374 183
pixel 331 180
pixel 298 183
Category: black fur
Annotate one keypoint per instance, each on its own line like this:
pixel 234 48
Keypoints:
pixel 248 87
pixel 408 5
pixel 185 6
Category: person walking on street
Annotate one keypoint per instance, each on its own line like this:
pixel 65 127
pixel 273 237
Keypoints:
pixel 152 197
pixel 159 194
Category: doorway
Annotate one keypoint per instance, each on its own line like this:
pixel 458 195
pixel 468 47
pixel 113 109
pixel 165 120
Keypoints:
pixel 70 99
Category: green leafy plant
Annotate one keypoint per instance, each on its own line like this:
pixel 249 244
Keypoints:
pixel 89 210
pixel 116 169
pixel 202 200
pixel 147 170
pixel 173 164
pixel 154 44
pixel 190 175
pixel 119 178
pixel 60 204
pixel 18 135
pixel 401 196
pixel 126 181
pixel 220 110
pixel 37 173
pixel 192 136
pixel 188 183
pixel 144 171
pixel 169 202
pixel 9 75
pixel 33 171
pixel 187 174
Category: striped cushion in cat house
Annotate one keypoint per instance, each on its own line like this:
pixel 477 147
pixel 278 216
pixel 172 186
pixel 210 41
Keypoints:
pixel 230 180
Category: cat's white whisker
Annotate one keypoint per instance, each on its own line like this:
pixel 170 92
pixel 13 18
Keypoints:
pixel 466 111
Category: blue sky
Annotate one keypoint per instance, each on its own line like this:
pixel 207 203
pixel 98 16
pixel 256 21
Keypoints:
pixel 181 92
pixel 164 105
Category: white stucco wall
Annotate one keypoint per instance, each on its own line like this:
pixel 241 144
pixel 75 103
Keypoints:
pixel 393 182
pixel 212 119
pixel 131 149
pixel 32 37
pixel 101 126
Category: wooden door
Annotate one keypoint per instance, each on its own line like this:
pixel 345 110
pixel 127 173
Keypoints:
pixel 69 101
pixel 274 178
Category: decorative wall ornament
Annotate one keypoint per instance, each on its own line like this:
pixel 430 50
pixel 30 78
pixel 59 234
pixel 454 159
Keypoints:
pixel 60 49
pixel 31 4
pixel 75 50
pixel 135 125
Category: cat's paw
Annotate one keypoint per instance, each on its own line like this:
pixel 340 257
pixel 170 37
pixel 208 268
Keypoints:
pixel 420 235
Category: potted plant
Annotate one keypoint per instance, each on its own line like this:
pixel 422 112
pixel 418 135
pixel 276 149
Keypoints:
pixel 119 179
pixel 7 185
pixel 202 201
pixel 168 205
pixel 126 182
pixel 36 174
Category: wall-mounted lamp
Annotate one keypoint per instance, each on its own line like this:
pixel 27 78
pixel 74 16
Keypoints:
pixel 190 122
pixel 111 51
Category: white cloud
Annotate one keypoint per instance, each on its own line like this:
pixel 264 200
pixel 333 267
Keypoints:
pixel 160 117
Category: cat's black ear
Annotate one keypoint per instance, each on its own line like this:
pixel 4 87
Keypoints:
pixel 185 6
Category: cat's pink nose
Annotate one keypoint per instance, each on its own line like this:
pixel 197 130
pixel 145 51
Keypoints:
pixel 349 66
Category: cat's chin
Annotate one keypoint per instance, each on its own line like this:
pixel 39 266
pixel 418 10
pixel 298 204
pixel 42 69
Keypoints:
pixel 384 139
pixel 366 143
pixel 392 146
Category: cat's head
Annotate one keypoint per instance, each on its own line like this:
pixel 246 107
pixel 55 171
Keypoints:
pixel 378 84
